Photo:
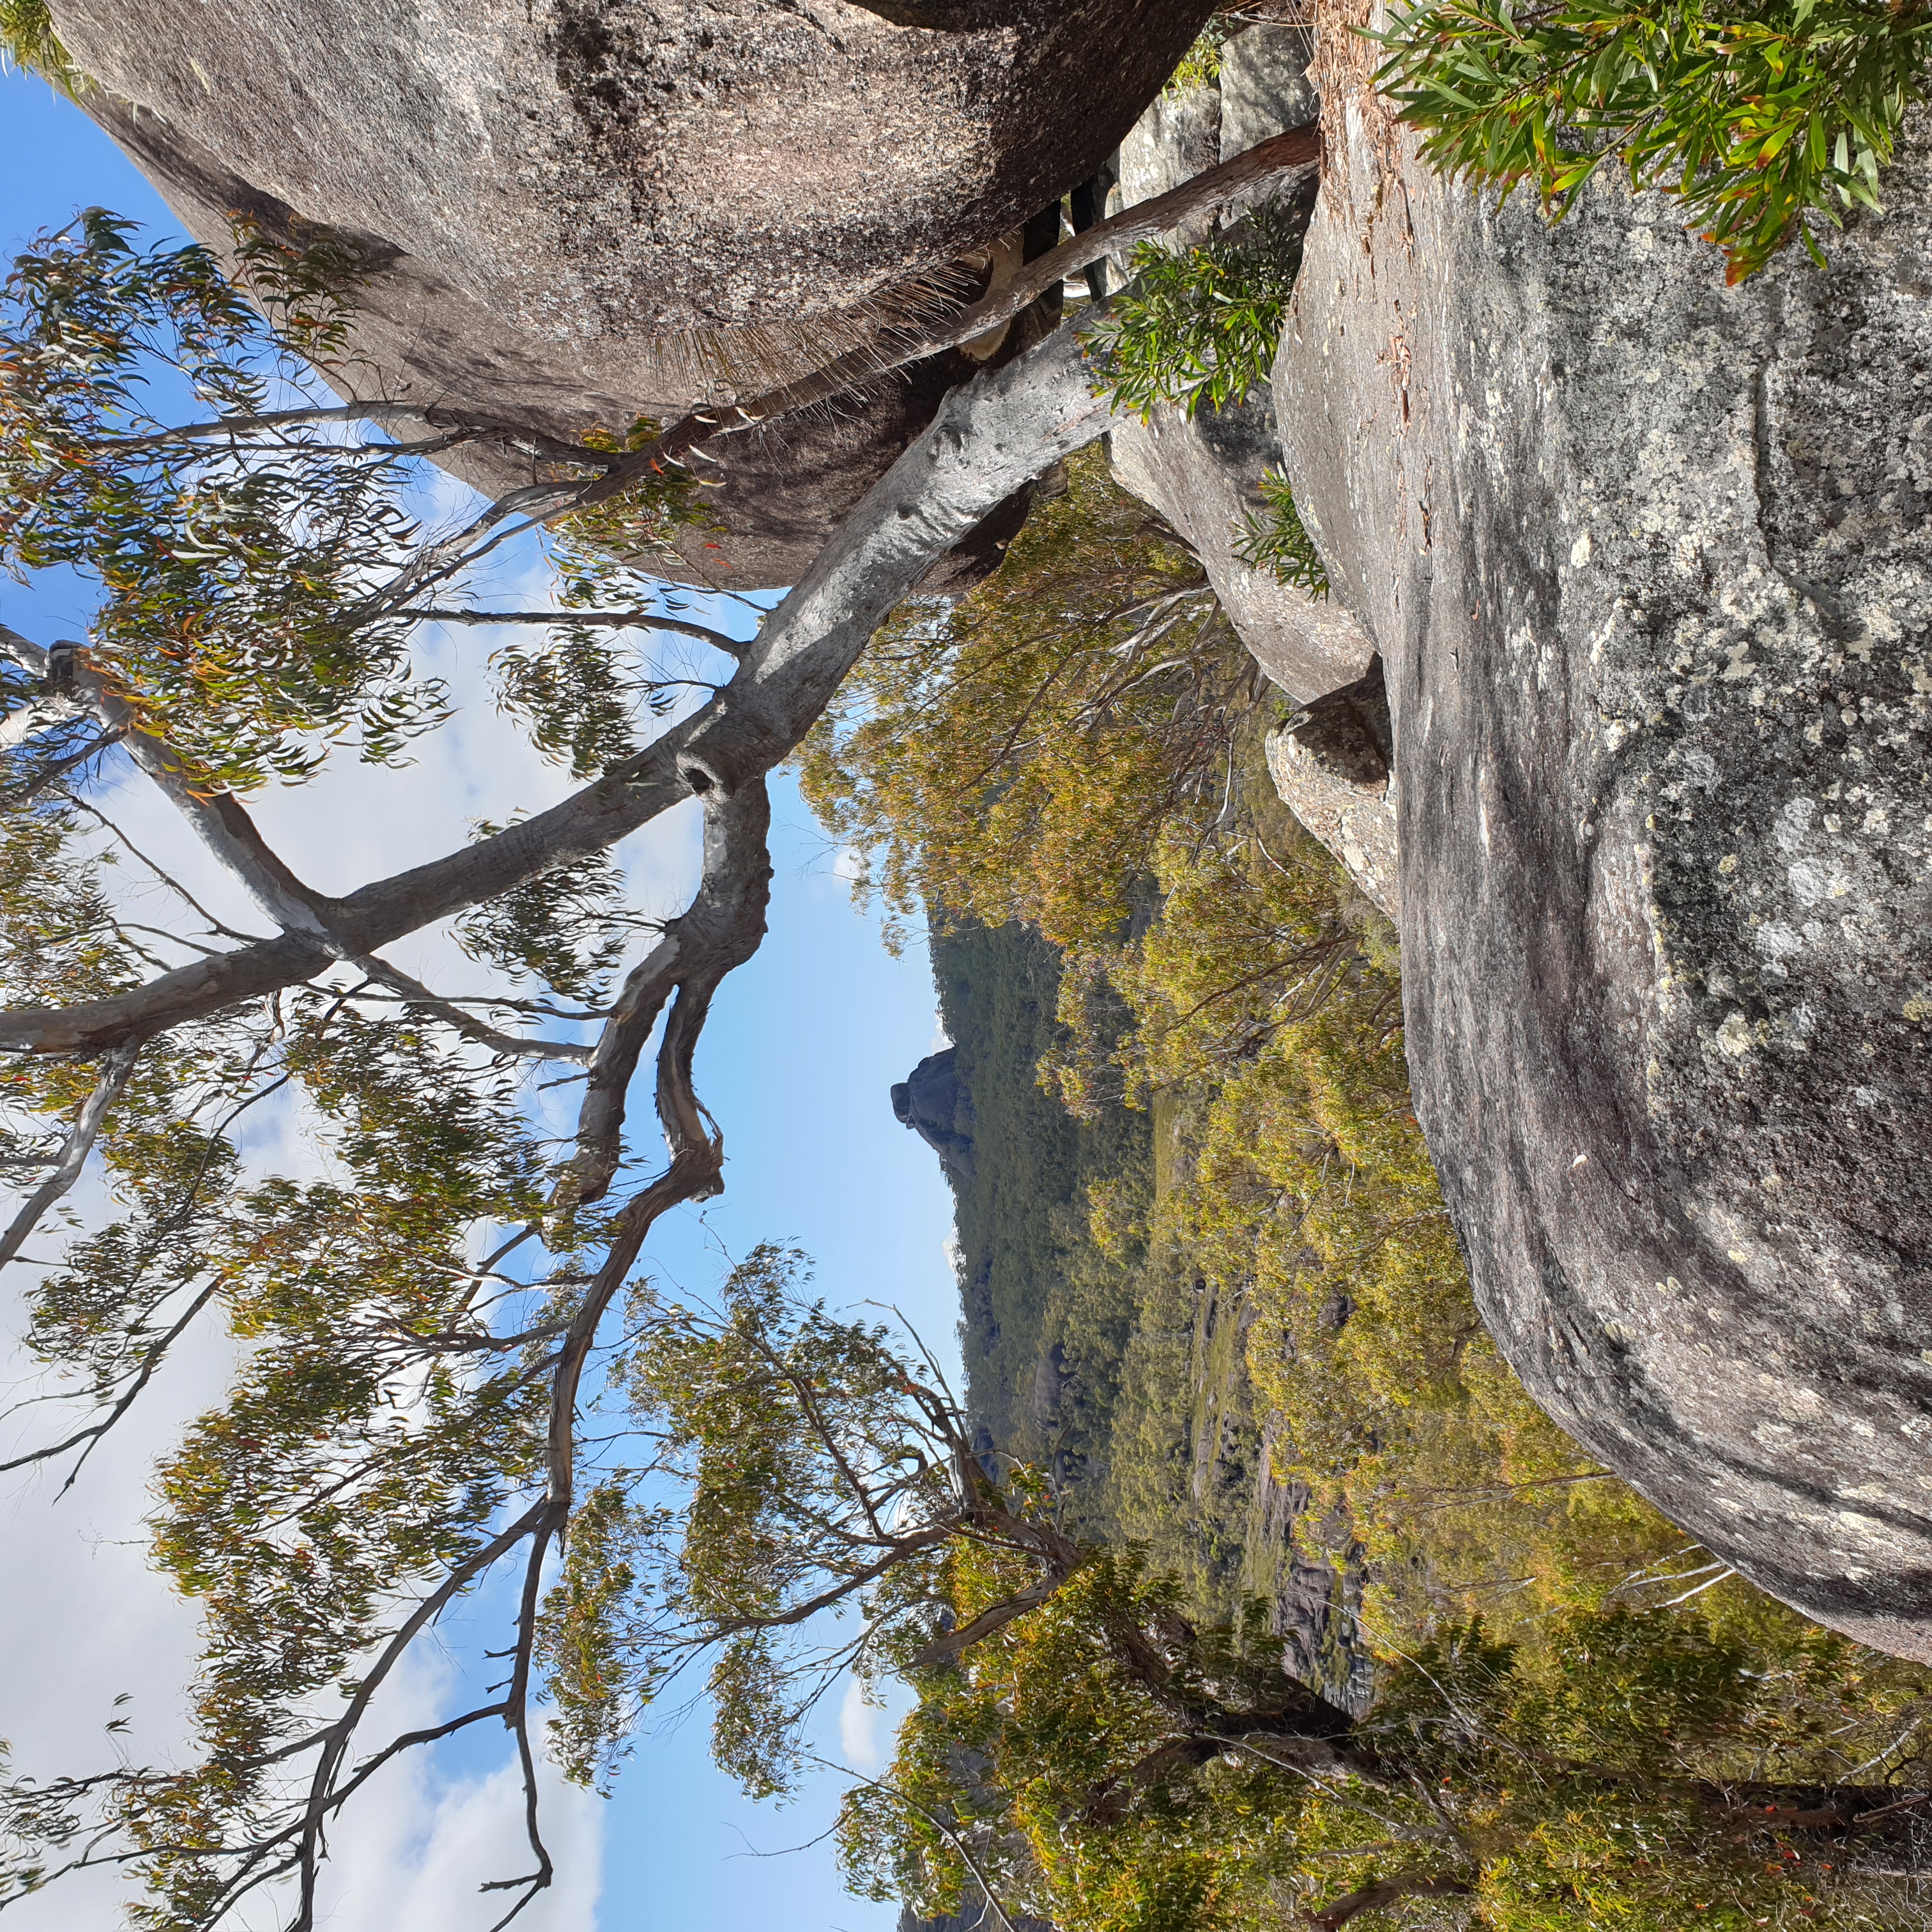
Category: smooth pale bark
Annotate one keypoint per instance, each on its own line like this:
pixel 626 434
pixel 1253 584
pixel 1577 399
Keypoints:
pixel 718 931
pixel 989 437
pixel 116 1066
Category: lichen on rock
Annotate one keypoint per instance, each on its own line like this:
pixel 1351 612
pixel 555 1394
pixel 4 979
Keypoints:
pixel 1647 563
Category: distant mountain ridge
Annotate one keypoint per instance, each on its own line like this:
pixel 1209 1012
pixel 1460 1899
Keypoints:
pixel 1126 1378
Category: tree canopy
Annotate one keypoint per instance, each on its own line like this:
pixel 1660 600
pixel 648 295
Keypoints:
pixel 405 1417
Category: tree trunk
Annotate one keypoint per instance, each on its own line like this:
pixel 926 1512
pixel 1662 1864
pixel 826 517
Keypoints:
pixel 997 433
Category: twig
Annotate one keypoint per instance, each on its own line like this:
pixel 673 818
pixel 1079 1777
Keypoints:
pixel 117 1064
pixel 620 620
pixel 415 994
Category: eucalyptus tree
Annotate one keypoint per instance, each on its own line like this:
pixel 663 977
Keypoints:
pixel 406 1420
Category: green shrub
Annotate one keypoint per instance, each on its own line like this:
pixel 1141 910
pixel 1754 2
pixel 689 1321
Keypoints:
pixel 1202 326
pixel 1280 541
pixel 1201 65
pixel 28 40
pixel 1761 117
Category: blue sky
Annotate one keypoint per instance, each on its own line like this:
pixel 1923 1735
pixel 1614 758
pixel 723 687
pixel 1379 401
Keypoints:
pixel 795 1065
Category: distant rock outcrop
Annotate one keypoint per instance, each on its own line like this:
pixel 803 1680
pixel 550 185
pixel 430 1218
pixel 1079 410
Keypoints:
pixel 933 1102
pixel 585 213
pixel 1649 565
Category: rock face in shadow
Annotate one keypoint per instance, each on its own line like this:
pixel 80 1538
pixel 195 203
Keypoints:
pixel 1648 564
pixel 1203 474
pixel 1333 766
pixel 419 338
pixel 584 213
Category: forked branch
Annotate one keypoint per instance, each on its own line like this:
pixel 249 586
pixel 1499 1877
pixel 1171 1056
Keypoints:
pixel 1000 432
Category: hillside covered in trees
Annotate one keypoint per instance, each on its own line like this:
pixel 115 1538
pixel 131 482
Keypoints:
pixel 1208 1283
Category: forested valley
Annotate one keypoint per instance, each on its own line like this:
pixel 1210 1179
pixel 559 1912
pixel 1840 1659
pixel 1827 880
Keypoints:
pixel 1211 1290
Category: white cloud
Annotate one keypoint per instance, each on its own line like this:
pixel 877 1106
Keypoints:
pixel 859 1743
pixel 415 1858
pixel 867 1730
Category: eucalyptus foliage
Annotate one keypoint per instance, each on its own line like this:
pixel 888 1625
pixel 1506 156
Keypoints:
pixel 28 40
pixel 567 929
pixel 1763 120
pixel 237 585
pixel 1200 326
pixel 390 1433
pixel 1111 1765
pixel 809 1475
pixel 1276 539
pixel 1012 756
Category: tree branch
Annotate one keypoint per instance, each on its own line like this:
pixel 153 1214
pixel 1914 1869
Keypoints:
pixel 389 417
pixel 337 1739
pixel 955 1642
pixel 31 788
pixel 720 928
pixel 1384 1893
pixel 415 994
pixel 998 432
pixel 616 620
pixel 218 819
pixel 116 1064
pixel 40 713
